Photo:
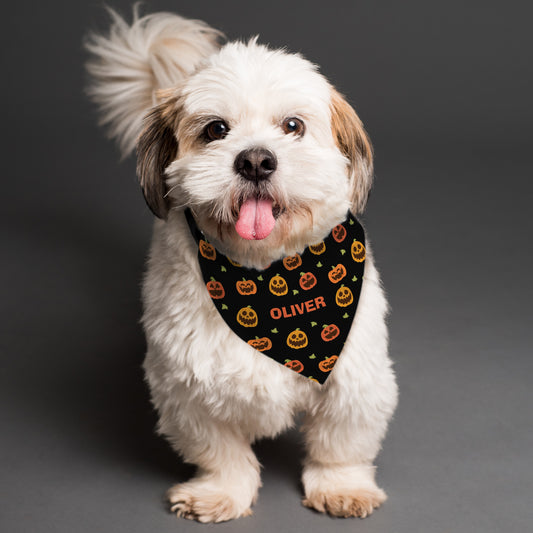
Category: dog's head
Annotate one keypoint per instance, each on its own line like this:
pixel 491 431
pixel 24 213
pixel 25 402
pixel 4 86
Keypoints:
pixel 266 153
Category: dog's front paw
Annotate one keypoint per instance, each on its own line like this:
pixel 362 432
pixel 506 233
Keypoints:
pixel 206 502
pixel 341 490
pixel 355 502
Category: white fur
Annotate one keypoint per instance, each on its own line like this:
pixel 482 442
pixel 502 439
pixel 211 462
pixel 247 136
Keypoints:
pixel 215 394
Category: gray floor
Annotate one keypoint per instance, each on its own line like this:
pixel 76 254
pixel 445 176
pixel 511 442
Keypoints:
pixel 450 223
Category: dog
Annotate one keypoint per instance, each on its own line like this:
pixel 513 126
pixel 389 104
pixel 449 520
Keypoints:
pixel 264 157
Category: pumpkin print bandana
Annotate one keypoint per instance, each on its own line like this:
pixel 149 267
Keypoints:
pixel 299 310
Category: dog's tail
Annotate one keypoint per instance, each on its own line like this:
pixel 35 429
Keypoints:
pixel 132 62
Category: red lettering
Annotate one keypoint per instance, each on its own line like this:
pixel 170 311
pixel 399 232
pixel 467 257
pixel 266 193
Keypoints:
pixel 285 314
pixel 298 309
pixel 275 313
pixel 319 301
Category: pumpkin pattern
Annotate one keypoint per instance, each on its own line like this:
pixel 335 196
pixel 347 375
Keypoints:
pixel 207 250
pixel 358 251
pixel 295 365
pixel 246 286
pixel 278 286
pixel 330 332
pixel 292 261
pixel 344 296
pixel 303 304
pixel 297 340
pixel 337 273
pixel 338 233
pixel 318 249
pixel 327 364
pixel 307 280
pixel 262 344
pixel 215 289
pixel 247 317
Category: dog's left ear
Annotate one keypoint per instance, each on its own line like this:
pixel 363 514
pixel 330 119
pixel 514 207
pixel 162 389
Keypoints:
pixel 353 142
pixel 157 147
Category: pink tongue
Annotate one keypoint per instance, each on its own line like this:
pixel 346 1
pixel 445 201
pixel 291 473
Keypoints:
pixel 255 219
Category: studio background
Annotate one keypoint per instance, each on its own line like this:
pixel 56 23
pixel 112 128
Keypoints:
pixel 444 90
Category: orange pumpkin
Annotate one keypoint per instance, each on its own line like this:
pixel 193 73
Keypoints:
pixel 246 287
pixel 337 273
pixel 215 289
pixel 318 249
pixel 207 250
pixel 330 332
pixel 247 317
pixel 234 263
pixel 297 339
pixel 358 251
pixel 307 280
pixel 262 344
pixel 339 233
pixel 292 261
pixel 278 286
pixel 295 365
pixel 344 296
pixel 328 363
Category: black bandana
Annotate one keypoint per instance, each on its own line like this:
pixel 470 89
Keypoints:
pixel 299 310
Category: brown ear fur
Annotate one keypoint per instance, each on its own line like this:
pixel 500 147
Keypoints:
pixel 157 147
pixel 354 143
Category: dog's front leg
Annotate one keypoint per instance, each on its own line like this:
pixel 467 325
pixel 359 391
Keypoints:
pixel 343 437
pixel 227 480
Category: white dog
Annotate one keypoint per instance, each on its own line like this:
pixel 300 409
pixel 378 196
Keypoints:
pixel 268 157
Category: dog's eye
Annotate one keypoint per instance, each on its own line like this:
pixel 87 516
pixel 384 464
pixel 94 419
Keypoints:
pixel 293 125
pixel 216 130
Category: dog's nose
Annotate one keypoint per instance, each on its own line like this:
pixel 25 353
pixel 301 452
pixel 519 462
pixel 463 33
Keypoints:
pixel 256 164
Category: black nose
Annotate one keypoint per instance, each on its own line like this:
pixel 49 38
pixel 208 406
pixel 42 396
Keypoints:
pixel 256 164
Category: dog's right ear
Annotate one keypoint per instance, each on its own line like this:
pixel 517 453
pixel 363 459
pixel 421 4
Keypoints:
pixel 157 147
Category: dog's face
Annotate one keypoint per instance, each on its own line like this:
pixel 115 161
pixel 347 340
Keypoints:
pixel 265 152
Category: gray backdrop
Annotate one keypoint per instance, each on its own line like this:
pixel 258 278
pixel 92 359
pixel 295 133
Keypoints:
pixel 444 89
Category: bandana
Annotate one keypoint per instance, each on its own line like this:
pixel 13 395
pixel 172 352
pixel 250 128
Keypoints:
pixel 299 310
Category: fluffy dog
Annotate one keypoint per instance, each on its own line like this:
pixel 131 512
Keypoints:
pixel 193 106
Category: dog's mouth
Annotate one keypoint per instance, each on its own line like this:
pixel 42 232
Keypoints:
pixel 257 218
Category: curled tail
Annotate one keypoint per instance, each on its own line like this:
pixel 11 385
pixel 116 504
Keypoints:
pixel 132 62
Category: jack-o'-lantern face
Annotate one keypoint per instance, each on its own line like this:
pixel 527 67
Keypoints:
pixel 292 261
pixel 330 332
pixel 215 289
pixel 297 339
pixel 358 251
pixel 344 297
pixel 307 281
pixel 318 249
pixel 337 273
pixel 246 287
pixel 278 286
pixel 339 233
pixel 206 250
pixel 327 364
pixel 247 317
pixel 262 344
pixel 295 365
